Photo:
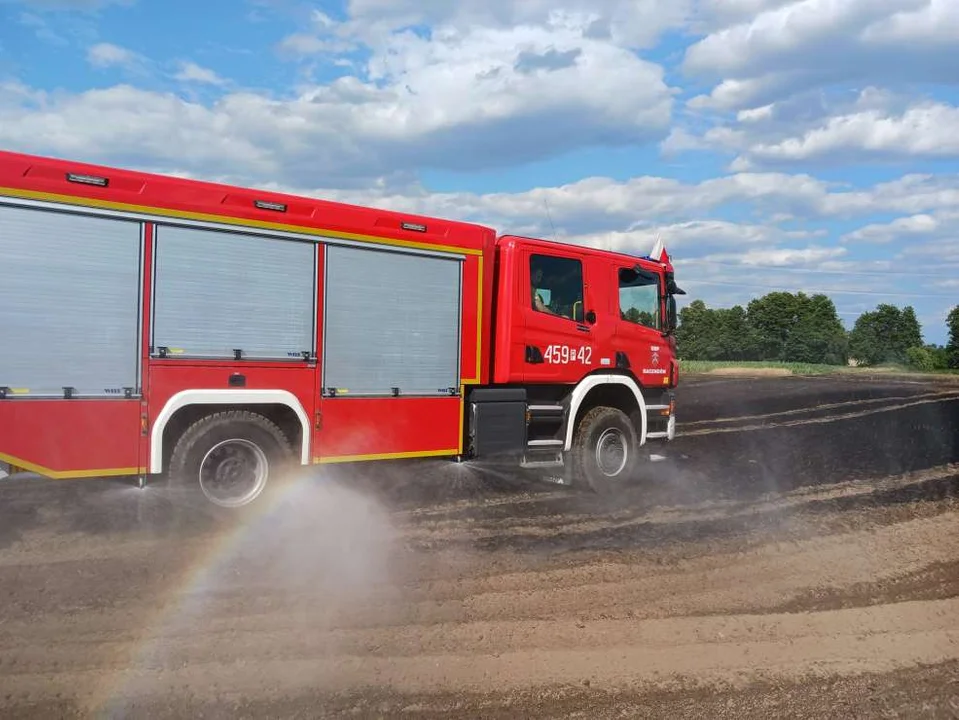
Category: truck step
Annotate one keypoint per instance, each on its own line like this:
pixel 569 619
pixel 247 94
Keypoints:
pixel 656 435
pixel 537 458
pixel 533 464
pixel 546 409
pixel 549 442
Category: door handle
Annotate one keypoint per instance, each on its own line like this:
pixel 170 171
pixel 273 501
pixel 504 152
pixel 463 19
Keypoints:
pixel 583 328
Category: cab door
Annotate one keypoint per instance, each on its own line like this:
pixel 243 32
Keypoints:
pixel 561 323
pixel 639 322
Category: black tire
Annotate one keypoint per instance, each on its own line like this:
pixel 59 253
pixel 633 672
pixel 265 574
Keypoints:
pixel 238 443
pixel 600 426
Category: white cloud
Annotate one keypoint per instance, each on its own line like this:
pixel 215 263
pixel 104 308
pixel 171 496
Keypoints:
pixel 322 35
pixel 603 205
pixel 910 194
pixel 785 33
pixel 755 114
pixel 927 130
pixel 796 46
pixel 637 23
pixel 123 121
pixel 833 128
pixel 105 55
pixel 898 229
pixel 686 239
pixel 809 256
pixel 193 73
pixel 302 44
pixel 935 254
pixel 483 98
pixel 718 14
pixel 936 22
pixel 930 238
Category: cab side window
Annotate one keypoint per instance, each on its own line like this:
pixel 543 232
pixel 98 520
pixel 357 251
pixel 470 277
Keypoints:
pixel 639 298
pixel 556 286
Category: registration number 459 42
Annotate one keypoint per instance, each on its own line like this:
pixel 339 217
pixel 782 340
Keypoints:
pixel 566 354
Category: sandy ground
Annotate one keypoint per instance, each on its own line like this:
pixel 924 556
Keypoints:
pixel 795 556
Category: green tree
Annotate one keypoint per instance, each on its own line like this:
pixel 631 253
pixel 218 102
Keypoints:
pixel 692 331
pixel 910 331
pixel 640 317
pixel 952 347
pixel 885 335
pixel 715 334
pixel 798 328
pixel 773 318
pixel 742 342
pixel 818 335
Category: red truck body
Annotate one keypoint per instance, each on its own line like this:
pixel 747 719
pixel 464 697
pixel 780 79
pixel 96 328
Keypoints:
pixel 153 325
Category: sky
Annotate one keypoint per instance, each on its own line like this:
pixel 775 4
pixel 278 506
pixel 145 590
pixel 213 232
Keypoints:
pixel 808 145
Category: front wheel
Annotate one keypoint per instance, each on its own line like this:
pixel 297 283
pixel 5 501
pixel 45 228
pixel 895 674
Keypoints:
pixel 230 457
pixel 604 451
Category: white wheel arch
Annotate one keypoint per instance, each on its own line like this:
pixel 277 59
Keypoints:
pixel 586 385
pixel 187 398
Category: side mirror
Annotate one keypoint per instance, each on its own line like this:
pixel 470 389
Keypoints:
pixel 671 287
pixel 671 320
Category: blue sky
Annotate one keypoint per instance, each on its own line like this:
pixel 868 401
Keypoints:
pixel 774 144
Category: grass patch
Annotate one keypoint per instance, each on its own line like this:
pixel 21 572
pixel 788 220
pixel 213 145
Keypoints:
pixel 771 367
pixel 701 367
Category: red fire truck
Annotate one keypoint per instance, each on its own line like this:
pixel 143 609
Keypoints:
pixel 211 335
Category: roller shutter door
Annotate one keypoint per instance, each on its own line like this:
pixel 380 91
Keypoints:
pixel 69 302
pixel 392 320
pixel 216 292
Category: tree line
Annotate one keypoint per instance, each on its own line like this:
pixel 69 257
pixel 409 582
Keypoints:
pixel 787 327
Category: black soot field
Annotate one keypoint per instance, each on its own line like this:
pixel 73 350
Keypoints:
pixel 795 554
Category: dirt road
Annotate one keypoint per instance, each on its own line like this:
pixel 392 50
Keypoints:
pixel 797 555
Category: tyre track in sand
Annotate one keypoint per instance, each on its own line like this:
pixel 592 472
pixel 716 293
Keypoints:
pixel 830 417
pixel 891 402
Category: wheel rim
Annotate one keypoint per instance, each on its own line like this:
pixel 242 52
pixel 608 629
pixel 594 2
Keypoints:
pixel 611 452
pixel 233 472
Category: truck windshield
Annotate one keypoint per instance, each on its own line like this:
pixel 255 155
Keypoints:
pixel 639 297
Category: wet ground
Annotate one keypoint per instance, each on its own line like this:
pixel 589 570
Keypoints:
pixel 796 555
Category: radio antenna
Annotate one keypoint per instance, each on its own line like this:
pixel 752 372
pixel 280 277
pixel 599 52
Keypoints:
pixel 550 218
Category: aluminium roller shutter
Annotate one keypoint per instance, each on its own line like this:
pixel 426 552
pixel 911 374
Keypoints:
pixel 392 320
pixel 69 302
pixel 216 292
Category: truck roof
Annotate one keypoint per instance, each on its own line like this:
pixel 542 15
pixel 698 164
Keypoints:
pixel 50 179
pixel 581 249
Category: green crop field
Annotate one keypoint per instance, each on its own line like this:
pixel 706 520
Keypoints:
pixel 701 367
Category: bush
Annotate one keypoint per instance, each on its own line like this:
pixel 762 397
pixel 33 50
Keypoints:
pixel 926 359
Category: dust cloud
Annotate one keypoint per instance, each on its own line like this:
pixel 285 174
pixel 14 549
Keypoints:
pixel 298 565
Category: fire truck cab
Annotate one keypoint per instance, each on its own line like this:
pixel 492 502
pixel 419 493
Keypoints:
pixel 212 335
pixel 584 361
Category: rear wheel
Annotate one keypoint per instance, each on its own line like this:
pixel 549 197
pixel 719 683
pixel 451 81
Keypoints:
pixel 230 457
pixel 604 451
